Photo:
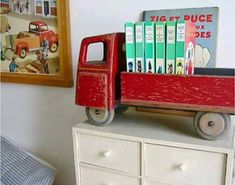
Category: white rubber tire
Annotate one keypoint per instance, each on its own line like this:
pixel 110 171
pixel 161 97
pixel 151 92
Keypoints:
pixel 99 117
pixel 211 126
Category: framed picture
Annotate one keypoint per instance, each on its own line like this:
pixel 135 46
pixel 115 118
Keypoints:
pixel 35 42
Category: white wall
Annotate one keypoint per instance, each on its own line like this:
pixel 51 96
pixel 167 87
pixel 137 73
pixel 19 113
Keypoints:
pixel 40 119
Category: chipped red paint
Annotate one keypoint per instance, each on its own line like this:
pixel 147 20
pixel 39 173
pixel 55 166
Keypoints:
pixel 98 83
pixel 92 82
pixel 193 92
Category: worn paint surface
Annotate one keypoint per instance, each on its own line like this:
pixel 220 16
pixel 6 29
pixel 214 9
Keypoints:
pixel 98 82
pixel 95 91
pixel 177 91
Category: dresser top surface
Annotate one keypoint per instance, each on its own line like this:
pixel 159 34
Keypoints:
pixel 159 127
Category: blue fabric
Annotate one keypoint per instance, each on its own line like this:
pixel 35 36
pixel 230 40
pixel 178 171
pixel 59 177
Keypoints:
pixel 19 168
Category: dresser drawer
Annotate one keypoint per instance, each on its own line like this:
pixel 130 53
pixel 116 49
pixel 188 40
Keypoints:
pixel 185 165
pixel 111 153
pixel 150 182
pixel 91 176
pixel 156 183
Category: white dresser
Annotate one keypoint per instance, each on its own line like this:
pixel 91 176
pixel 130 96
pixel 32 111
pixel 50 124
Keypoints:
pixel 150 149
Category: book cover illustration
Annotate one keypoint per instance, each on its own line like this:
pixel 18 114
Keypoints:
pixel 206 20
pixel 149 48
pixel 170 47
pixel 185 47
pixel 160 47
pixel 139 47
pixel 130 46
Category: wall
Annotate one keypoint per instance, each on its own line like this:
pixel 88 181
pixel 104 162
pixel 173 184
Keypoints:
pixel 40 119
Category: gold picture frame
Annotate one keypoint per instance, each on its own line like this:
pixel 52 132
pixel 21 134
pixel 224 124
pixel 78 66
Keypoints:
pixel 64 77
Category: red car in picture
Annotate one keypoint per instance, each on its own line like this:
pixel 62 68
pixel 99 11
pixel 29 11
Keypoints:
pixel 32 40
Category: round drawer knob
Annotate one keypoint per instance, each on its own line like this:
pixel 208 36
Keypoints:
pixel 182 167
pixel 106 154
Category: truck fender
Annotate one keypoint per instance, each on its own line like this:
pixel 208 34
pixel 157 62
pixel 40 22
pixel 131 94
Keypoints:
pixel 54 39
pixel 20 46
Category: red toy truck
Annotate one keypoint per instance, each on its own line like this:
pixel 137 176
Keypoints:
pixel 103 86
pixel 32 40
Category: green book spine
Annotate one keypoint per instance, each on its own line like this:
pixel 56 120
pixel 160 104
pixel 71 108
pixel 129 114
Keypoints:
pixel 160 47
pixel 130 46
pixel 180 47
pixel 170 47
pixel 149 48
pixel 139 47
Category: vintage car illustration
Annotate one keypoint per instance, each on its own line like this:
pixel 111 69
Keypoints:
pixel 37 37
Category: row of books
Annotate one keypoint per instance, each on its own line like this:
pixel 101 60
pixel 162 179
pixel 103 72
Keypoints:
pixel 160 47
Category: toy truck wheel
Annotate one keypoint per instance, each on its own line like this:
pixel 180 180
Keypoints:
pixel 23 53
pixel 99 117
pixel 211 126
pixel 54 47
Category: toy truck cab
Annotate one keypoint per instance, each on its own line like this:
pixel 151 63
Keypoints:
pixel 98 82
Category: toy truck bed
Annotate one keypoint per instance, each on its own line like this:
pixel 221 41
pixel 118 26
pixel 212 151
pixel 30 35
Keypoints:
pixel 194 92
